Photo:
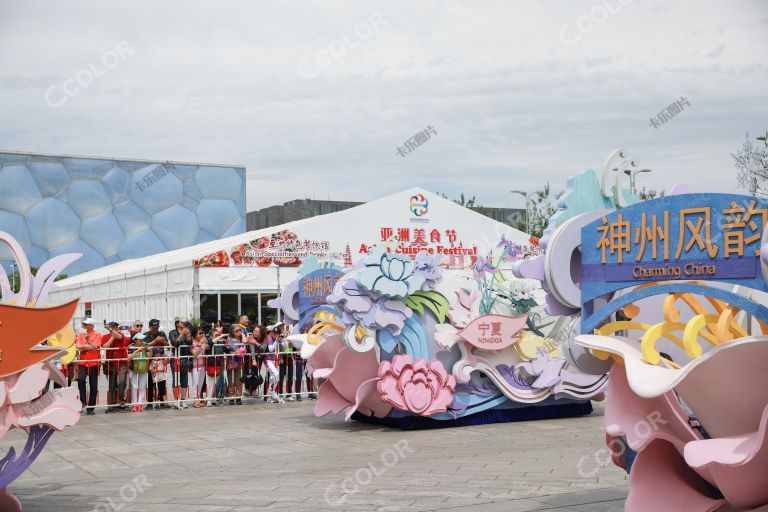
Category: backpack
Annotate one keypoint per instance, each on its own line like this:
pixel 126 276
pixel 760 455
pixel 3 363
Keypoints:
pixel 139 364
pixel 158 368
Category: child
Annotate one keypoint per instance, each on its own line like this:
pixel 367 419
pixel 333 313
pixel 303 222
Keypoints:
pixel 273 343
pixel 138 360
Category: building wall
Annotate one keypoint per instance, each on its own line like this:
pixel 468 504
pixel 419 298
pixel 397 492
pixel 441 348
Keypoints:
pixel 304 208
pixel 294 210
pixel 111 210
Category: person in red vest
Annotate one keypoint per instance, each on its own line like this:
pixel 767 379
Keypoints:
pixel 89 358
pixel 116 344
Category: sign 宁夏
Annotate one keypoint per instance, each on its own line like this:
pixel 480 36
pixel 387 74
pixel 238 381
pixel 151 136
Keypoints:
pixel 684 237
pixel 494 332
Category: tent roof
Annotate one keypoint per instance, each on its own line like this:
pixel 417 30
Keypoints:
pixel 184 257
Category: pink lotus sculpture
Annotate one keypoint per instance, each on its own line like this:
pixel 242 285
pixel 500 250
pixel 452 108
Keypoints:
pixel 677 466
pixel 420 387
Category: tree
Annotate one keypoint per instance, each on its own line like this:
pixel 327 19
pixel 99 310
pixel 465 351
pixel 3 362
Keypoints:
pixel 649 194
pixel 541 206
pixel 469 202
pixel 16 279
pixel 751 160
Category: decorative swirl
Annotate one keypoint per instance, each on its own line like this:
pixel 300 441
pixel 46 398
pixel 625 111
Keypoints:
pixel 363 344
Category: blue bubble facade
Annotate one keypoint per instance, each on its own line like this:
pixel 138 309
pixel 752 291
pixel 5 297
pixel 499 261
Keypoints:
pixel 113 210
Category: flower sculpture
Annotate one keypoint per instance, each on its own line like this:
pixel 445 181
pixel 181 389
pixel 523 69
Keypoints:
pixel 428 266
pixel 679 467
pixel 402 340
pixel 390 274
pixel 482 266
pixel 421 387
pixel 369 309
pixel 26 366
pixel 350 383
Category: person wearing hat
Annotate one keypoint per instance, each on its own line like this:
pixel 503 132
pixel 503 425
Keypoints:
pixel 89 358
pixel 116 344
pixel 156 339
pixel 273 348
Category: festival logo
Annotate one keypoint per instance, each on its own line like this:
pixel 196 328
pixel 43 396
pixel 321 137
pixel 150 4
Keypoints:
pixel 419 205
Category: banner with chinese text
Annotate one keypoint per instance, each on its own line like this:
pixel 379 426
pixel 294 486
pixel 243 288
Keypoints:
pixel 675 238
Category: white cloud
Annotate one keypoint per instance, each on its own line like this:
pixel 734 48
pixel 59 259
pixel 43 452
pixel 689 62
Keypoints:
pixel 514 106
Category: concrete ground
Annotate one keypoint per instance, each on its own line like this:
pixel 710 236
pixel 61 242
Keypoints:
pixel 280 457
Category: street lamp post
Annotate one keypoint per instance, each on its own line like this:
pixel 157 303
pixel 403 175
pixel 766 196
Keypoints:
pixel 632 174
pixel 525 196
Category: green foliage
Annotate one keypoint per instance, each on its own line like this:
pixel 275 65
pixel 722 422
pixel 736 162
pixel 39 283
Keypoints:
pixel 648 194
pixel 541 206
pixel 434 301
pixel 469 202
pixel 16 281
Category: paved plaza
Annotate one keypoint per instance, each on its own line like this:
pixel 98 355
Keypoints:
pixel 281 458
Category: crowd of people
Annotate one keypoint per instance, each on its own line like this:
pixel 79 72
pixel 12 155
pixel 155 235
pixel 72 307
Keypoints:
pixel 188 365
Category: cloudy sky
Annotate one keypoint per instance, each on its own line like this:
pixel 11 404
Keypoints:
pixel 314 97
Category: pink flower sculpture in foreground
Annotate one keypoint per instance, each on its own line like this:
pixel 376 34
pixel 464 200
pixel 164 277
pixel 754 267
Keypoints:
pixel 350 379
pixel 421 387
pixel 676 465
pixel 22 405
pixel 26 366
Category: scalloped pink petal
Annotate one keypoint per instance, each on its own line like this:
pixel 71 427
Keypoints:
pixel 390 392
pixel 399 362
pixel 329 400
pixel 417 397
pixel 420 365
pixel 738 464
pixel 30 384
pixel 405 377
pixel 434 384
pixel 384 368
pixel 643 420
pixel 350 369
pixel 660 480
pixel 368 400
pixel 437 368
pixel 325 354
pixel 63 412
pixel 440 403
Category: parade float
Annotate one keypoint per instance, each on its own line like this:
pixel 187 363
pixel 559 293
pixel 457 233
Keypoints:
pixel 402 341
pixel 660 303
pixel 668 297
pixel 27 366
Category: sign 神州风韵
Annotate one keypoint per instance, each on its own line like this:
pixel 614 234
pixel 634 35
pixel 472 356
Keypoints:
pixel 685 237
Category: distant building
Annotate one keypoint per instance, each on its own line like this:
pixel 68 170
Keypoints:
pixel 293 210
pixel 112 209
pixel 305 208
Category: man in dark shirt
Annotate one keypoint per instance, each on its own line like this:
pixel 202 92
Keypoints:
pixel 181 361
pixel 158 340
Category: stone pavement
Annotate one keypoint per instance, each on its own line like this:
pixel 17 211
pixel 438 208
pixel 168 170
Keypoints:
pixel 281 458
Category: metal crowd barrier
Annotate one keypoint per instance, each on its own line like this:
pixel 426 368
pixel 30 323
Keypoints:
pixel 226 380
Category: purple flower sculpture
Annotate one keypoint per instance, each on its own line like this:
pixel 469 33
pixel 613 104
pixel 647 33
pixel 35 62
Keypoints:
pixel 369 309
pixel 428 266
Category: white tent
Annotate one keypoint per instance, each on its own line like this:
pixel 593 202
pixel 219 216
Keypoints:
pixel 220 279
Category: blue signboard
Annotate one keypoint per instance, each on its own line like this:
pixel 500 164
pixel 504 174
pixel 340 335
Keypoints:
pixel 316 286
pixel 688 237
